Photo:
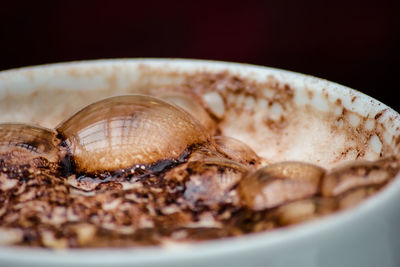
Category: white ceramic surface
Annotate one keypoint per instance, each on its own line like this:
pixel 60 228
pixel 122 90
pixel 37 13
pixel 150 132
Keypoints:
pixel 368 235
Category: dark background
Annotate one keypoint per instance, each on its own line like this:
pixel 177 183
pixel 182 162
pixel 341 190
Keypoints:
pixel 354 43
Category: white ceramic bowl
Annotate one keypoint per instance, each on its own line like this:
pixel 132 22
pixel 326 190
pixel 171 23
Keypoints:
pixel 368 235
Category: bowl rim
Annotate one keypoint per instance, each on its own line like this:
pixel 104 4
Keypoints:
pixel 211 248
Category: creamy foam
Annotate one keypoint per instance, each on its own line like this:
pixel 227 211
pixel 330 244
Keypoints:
pixel 196 198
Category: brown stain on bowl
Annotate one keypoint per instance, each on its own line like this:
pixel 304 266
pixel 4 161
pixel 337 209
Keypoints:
pixel 263 115
pixel 269 106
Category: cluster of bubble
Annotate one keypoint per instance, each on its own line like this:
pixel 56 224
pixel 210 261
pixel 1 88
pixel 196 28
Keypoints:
pixel 137 133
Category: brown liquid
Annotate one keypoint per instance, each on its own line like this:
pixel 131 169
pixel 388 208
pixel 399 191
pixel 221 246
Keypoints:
pixel 207 192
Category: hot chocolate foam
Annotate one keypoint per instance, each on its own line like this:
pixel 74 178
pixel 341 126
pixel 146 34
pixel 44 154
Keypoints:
pixel 209 188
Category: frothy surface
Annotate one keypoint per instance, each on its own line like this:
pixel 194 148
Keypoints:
pixel 195 200
pixel 298 121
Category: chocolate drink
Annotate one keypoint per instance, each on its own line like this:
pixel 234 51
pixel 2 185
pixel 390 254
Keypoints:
pixel 206 158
